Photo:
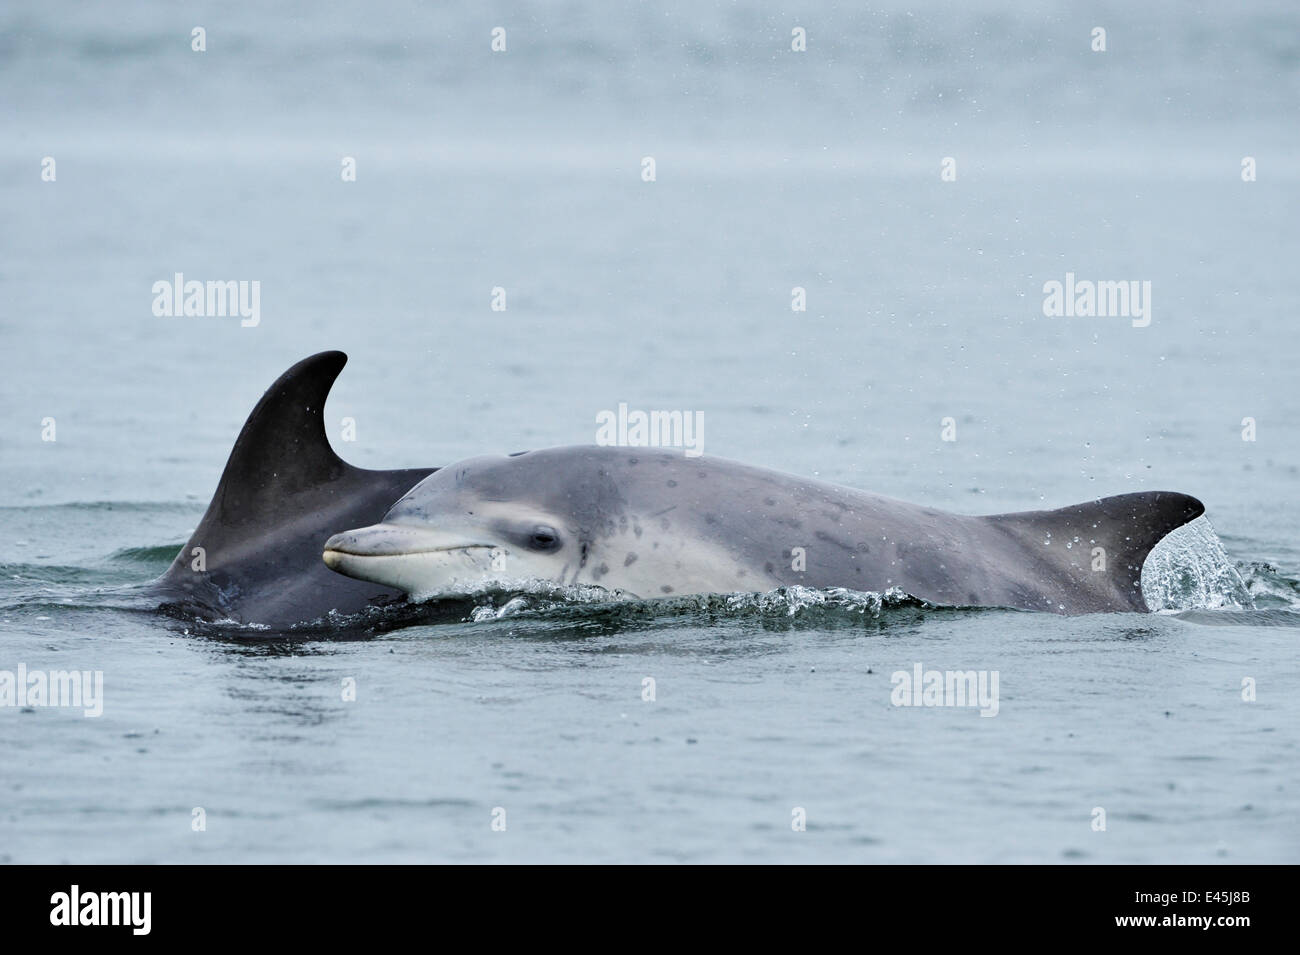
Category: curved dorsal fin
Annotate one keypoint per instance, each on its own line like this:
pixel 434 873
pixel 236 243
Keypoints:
pixel 1121 530
pixel 282 449
pixel 256 555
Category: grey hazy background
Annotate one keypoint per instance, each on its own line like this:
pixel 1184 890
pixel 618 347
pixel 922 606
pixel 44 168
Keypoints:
pixel 775 169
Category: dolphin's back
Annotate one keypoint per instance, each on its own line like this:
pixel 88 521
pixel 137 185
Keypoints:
pixel 758 529
pixel 1085 558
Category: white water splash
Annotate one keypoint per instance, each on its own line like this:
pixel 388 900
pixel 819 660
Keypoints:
pixel 526 595
pixel 1190 570
pixel 784 601
pixel 793 600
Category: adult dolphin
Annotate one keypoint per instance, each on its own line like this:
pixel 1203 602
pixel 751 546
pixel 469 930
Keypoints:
pixel 652 522
pixel 255 556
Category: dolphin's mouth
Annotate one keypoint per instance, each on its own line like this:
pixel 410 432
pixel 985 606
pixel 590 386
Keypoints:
pixel 413 559
pixel 401 553
pixel 335 557
pixel 390 540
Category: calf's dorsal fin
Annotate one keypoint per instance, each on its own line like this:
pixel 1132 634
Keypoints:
pixel 1097 549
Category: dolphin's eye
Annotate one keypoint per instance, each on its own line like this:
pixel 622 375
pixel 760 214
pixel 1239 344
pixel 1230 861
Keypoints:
pixel 543 537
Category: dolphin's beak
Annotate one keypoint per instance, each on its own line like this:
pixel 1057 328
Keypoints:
pixel 394 540
pixel 333 558
pixel 413 559
pixel 377 540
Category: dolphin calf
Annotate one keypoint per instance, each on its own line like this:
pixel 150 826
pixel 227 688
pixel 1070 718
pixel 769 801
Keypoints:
pixel 652 522
pixel 255 555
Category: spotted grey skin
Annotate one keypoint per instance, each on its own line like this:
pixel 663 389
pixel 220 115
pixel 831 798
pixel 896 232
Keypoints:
pixel 653 522
pixel 283 492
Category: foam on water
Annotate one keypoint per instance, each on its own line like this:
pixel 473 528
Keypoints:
pixel 542 596
pixel 1190 570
